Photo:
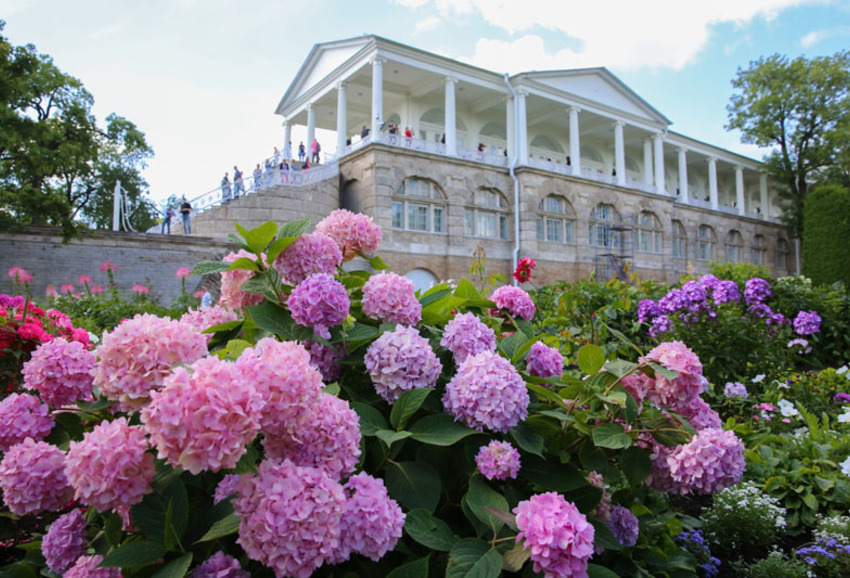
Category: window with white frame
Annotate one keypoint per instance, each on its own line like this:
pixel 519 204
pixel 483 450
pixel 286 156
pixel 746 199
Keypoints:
pixel 419 205
pixel 603 225
pixel 759 250
pixel 680 241
pixel 782 254
pixel 648 233
pixel 556 220
pixel 706 241
pixel 486 215
pixel 734 247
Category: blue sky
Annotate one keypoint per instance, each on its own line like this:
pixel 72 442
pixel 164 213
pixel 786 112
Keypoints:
pixel 202 78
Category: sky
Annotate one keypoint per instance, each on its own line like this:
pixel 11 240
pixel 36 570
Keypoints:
pixel 202 78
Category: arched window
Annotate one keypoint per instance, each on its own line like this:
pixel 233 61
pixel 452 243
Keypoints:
pixel 555 220
pixel 486 215
pixel 734 247
pixel 648 233
pixel 706 240
pixel 422 279
pixel 603 226
pixel 782 254
pixel 419 205
pixel 759 250
pixel 546 143
pixel 680 241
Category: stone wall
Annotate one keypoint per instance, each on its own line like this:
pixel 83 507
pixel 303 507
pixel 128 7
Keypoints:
pixel 143 258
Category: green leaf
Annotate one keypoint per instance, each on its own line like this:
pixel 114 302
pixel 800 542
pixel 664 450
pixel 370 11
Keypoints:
pixel 611 436
pixel 247 464
pixel 667 373
pixel 255 285
pixel 414 485
pixel 527 439
pixel 439 430
pixel 620 367
pixel 593 458
pixel 636 465
pixel 331 389
pixel 619 335
pixel 224 527
pixel 406 405
pixel 358 332
pixel 134 555
pixel 591 358
pixel 258 239
pixel 244 264
pixel 473 558
pixel 376 262
pixel 597 571
pixel 429 531
pixel 466 290
pixel 210 267
pixel 371 419
pixel 176 568
pixel 810 501
pixel 480 497
pixel 151 514
pixel 416 569
pixel 20 569
pixel 293 228
pixel 389 436
pixel 514 558
pixel 526 327
pixel 603 536
pixel 272 318
pixel 551 475
pixel 510 346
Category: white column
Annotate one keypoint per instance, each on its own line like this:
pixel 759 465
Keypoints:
pixel 575 144
pixel 311 124
pixel 341 119
pixel 511 132
pixel 377 97
pixel 763 199
pixel 619 153
pixel 522 137
pixel 712 183
pixel 287 135
pixel 683 176
pixel 451 116
pixel 647 161
pixel 740 198
pixel 660 185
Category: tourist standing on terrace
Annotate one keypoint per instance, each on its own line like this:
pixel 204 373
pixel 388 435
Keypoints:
pixel 316 148
pixel 167 213
pixel 238 183
pixel 186 214
pixel 365 132
pixel 225 189
pixel 276 156
pixel 287 151
pixel 408 136
pixel 258 177
pixel 302 152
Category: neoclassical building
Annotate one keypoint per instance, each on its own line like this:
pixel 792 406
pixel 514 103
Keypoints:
pixel 569 167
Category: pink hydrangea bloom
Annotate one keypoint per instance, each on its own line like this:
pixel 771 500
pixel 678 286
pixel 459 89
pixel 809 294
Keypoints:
pixel 466 335
pixel 285 380
pixel 220 565
pixel 684 389
pixel 372 522
pixel 231 282
pixel 206 317
pixel 392 299
pixel 515 300
pixel 712 461
pixel 183 272
pixel 326 359
pixel 23 416
pixel 309 254
pixel 659 478
pixel 289 517
pixel 544 361
pixel 87 567
pixel 320 301
pixel 204 417
pixel 487 393
pixel 700 415
pixel 61 372
pixel 328 438
pixel 32 478
pixel 401 360
pixel 637 384
pixel 558 536
pixel 353 232
pixel 137 356
pixel 498 461
pixel 65 541
pixel 225 488
pixel 110 467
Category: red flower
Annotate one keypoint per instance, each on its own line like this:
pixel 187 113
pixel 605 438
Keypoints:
pixel 523 269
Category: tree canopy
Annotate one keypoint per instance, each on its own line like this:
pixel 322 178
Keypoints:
pixel 57 166
pixel 799 108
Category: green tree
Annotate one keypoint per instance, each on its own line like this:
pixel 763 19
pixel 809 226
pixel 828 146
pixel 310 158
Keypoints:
pixel 57 167
pixel 827 240
pixel 801 109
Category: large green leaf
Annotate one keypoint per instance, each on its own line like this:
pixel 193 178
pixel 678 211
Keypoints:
pixel 611 436
pixel 603 536
pixel 439 430
pixel 414 485
pixel 176 568
pixel 466 290
pixel 244 263
pixel 416 569
pixel 473 558
pixel 551 475
pixel 293 228
pixel 429 531
pixel 272 318
pixel 406 405
pixel 591 358
pixel 480 497
pixel 371 420
pixel 389 436
pixel 151 514
pixel 597 571
pixel 527 439
pixel 134 555
pixel 636 465
pixel 258 239
pixel 224 527
pixel 210 267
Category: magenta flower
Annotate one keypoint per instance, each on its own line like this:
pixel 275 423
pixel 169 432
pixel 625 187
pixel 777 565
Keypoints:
pixel 523 269
pixel 62 372
pixel 498 461
pixel 807 323
pixel 87 567
pixel 308 255
pixel 85 280
pixel 326 359
pixel 206 317
pixel 515 300
pixel 110 467
pixel 401 360
pixel 139 289
pixel 108 266
pixel 67 288
pixel 684 389
pixel 183 272
pixel 544 361
pixel 65 542
pixel 32 478
pixel 392 299
pixel 558 536
pixel 466 335
pixel 19 275
pixel 712 461
pixel 23 416
pixel 220 565
pixel 225 488
pixel 96 289
pixel 320 302
pixel 353 232
pixel 50 291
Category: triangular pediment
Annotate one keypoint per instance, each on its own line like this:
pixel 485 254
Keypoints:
pixel 598 85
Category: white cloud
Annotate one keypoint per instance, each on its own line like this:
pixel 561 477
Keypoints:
pixel 624 35
pixel 816 36
pixel 426 24
pixel 411 3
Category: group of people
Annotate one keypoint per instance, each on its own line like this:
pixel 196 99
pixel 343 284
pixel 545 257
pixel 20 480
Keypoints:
pixel 274 170
pixel 168 213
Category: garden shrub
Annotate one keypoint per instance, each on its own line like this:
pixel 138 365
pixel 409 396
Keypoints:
pixel 826 241
pixel 775 565
pixel 743 520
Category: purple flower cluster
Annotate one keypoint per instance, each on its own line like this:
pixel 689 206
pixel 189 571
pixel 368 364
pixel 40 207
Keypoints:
pixel 498 461
pixel 735 389
pixel 515 300
pixel 624 525
pixel 807 323
pixel 87 567
pixel 694 542
pixel 401 360
pixel 220 565
pixel 392 299
pixel 712 461
pixel 308 255
pixel 372 522
pixel 320 301
pixel 225 488
pixel 756 290
pixel 544 361
pixel 466 335
pixel 326 359
pixel 65 541
pixel 23 416
pixel 487 393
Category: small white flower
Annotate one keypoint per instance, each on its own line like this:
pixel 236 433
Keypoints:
pixel 844 417
pixel 845 467
pixel 786 408
pixel 841 370
pixel 759 378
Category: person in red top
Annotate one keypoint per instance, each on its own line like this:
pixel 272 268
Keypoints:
pixel 316 148
pixel 408 136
